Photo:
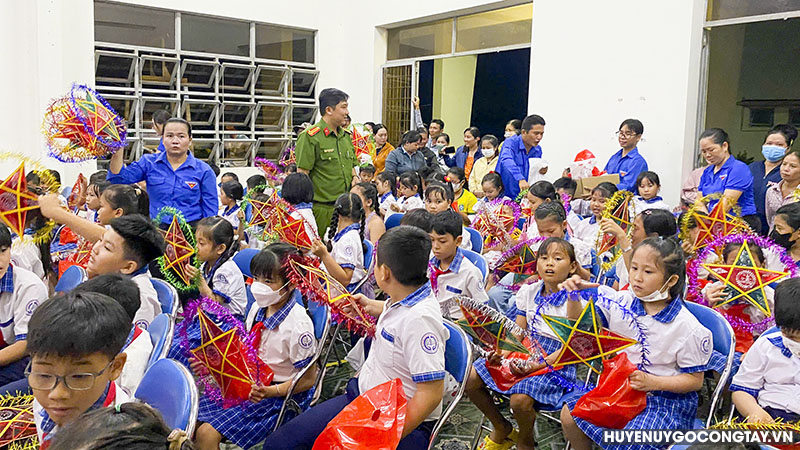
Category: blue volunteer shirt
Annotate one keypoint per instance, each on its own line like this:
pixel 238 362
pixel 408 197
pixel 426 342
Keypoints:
pixel 628 167
pixel 734 175
pixel 514 163
pixel 191 189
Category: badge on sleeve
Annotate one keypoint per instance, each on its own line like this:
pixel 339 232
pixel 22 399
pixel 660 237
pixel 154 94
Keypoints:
pixel 429 343
pixel 706 345
pixel 306 340
pixel 31 307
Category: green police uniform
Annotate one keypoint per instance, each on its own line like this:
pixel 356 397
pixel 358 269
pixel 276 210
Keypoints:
pixel 329 158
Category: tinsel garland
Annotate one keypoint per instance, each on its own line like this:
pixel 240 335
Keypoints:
pixel 566 201
pixel 270 169
pixel 48 184
pixel 508 254
pixel 488 223
pixel 169 274
pixel 615 201
pixel 692 212
pixel 693 267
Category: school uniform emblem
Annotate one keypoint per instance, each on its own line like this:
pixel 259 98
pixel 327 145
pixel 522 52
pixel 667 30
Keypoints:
pixel 191 184
pixel 306 340
pixel 31 307
pixel 706 345
pixel 429 343
pixel 142 324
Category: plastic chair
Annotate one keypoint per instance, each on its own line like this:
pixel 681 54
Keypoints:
pixel 475 239
pixel 168 387
pixel 161 332
pixel 242 259
pixel 71 278
pixel 521 223
pixel 393 220
pixel 369 265
pixel 457 362
pixel 479 261
pixel 67 191
pixel 167 296
pixel 250 299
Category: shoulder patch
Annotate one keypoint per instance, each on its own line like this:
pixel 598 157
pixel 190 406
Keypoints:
pixel 312 131
pixel 348 130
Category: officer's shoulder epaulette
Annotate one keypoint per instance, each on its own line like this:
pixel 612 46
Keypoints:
pixel 348 131
pixel 312 131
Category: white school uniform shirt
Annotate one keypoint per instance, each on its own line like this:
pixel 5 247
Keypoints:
pixel 586 231
pixel 287 339
pixel 409 203
pixel 348 251
pixel 386 200
pixel 676 341
pixel 21 292
pixel 232 216
pixel 526 304
pixel 138 351
pixel 25 254
pixel 303 211
pixel 228 283
pixel 640 204
pixel 573 219
pixel 583 252
pixel 409 344
pixel 150 307
pixel 461 278
pixel 770 373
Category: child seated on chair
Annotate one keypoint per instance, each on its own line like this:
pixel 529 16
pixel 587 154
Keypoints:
pixel 438 198
pixel 766 387
pixel 409 344
pixel 418 218
pixel 129 244
pixel 21 292
pixel 286 345
pixel 450 272
pixel 75 341
pixel 138 346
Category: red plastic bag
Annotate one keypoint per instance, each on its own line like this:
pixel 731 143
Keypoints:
pixel 504 379
pixel 613 403
pixel 373 421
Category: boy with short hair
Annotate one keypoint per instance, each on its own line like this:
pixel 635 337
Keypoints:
pixel 450 272
pixel 21 292
pixel 766 387
pixel 75 341
pixel 138 346
pixel 367 173
pixel 127 247
pixel 409 345
pixel 419 218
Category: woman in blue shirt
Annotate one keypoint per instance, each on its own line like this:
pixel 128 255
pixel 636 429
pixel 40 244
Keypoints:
pixel 777 143
pixel 174 177
pixel 727 175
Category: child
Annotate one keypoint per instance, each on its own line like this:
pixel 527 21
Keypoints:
pixel 368 194
pixel 465 200
pixel 485 165
pixel 492 186
pixel 419 218
pixel 450 272
pixel 647 187
pixel 367 173
pixel 386 182
pixel 343 256
pixel 409 344
pixel 93 192
pixel 555 262
pixel 254 181
pixel 766 388
pixel 75 341
pixel 586 229
pixel 221 278
pixel 438 198
pixel 230 194
pixel 286 345
pixel 228 176
pixel 127 247
pixel 138 346
pixel 21 292
pixel 298 191
pixel 540 192
pixel 409 188
pixel 680 348
pixel 132 426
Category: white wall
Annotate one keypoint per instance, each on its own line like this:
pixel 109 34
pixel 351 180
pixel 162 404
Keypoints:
pixel 595 64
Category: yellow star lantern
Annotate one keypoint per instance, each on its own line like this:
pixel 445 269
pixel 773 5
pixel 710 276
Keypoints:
pixel 178 251
pixel 744 281
pixel 16 201
pixel 17 426
pixel 717 223
pixel 583 341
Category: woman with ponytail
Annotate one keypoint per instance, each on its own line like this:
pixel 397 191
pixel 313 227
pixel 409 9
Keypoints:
pixel 343 255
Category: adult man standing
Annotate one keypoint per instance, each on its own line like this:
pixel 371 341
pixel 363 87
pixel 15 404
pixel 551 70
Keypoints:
pixel 325 152
pixel 434 129
pixel 514 164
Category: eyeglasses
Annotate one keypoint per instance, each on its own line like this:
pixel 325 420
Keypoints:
pixel 75 381
pixel 627 134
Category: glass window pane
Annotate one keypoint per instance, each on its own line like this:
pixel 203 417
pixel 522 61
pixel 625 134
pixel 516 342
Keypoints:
pixel 428 39
pixel 213 35
pixel 134 25
pixel 285 44
pixel 728 9
pixel 507 26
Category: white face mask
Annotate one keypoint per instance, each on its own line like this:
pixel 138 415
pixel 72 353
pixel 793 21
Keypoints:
pixel 487 152
pixel 508 134
pixel 793 346
pixel 658 295
pixel 264 295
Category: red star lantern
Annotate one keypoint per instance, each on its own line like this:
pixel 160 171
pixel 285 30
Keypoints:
pixel 16 201
pixel 583 341
pixel 16 420
pixel 360 143
pixel 294 232
pixel 493 330
pixel 82 254
pixel 745 281
pixel 78 191
pixel 222 352
pixel 178 252
pixel 622 214
pixel 717 223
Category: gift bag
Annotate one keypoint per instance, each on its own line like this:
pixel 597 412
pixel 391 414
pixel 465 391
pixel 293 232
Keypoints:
pixel 613 403
pixel 373 421
pixel 504 379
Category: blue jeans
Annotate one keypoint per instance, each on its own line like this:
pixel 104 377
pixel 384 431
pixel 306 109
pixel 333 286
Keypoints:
pixel 301 432
pixel 12 378
pixel 501 298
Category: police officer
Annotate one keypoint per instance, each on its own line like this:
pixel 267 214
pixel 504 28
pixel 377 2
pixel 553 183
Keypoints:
pixel 325 152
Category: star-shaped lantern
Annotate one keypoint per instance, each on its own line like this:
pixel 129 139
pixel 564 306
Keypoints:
pixel 745 281
pixel 294 231
pixel 288 157
pixel 16 201
pixel 496 220
pixel 521 262
pixel 222 352
pixel 318 285
pixel 717 223
pixel 491 329
pixel 583 340
pixel 360 142
pixel 82 253
pixel 100 120
pixel 78 191
pixel 16 420
pixel 620 210
pixel 177 254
